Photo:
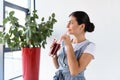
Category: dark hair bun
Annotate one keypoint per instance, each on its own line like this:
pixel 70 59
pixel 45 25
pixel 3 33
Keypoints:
pixel 89 27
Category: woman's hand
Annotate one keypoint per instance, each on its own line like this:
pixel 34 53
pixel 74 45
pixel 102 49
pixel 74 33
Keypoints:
pixel 66 39
pixel 55 46
pixel 54 56
pixel 51 47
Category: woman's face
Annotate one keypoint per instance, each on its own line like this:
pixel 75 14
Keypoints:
pixel 72 26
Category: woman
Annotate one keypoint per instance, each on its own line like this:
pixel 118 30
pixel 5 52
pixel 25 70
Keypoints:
pixel 75 54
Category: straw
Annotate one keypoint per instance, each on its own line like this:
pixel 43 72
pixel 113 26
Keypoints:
pixel 60 40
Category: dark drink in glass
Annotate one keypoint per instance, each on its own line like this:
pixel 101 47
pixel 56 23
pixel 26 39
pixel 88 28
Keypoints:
pixel 55 48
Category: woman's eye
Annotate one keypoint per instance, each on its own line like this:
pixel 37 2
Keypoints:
pixel 69 22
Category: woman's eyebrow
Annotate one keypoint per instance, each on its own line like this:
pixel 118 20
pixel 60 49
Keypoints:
pixel 70 21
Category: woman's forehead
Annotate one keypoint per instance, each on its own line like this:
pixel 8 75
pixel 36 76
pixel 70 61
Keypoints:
pixel 72 18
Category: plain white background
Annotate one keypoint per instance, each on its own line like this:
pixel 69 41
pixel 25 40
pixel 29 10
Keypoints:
pixel 105 14
pixel 1 11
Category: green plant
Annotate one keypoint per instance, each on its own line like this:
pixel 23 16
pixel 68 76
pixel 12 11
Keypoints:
pixel 32 34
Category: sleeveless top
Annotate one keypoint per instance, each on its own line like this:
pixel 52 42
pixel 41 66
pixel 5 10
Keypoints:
pixel 63 72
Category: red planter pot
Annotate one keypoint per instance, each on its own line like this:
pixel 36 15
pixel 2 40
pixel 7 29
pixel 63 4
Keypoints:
pixel 31 61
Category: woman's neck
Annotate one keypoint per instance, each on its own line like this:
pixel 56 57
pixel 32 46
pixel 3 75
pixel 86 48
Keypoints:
pixel 78 39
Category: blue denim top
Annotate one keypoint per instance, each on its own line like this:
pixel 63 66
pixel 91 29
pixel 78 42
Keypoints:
pixel 62 60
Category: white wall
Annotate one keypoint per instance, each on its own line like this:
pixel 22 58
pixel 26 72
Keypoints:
pixel 1 46
pixel 105 15
pixel 1 11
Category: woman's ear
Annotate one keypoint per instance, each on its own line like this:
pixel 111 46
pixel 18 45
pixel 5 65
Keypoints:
pixel 82 26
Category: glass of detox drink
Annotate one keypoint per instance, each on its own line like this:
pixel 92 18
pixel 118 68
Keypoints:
pixel 55 48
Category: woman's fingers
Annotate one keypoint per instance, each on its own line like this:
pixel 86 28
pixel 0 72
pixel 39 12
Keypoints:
pixel 53 43
pixel 51 47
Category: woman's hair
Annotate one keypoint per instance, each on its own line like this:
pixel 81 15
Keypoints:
pixel 82 17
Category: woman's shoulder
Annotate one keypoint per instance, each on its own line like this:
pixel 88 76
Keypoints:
pixel 91 44
pixel 90 48
pixel 87 44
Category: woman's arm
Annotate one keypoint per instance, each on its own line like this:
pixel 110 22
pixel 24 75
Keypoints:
pixel 54 57
pixel 77 66
pixel 55 62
